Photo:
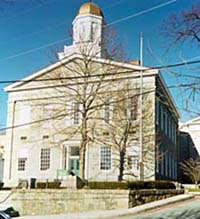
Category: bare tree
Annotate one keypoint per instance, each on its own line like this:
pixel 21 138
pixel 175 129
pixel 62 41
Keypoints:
pixel 74 94
pixel 183 26
pixel 119 129
pixel 191 168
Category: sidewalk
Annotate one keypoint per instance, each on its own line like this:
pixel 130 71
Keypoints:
pixel 114 213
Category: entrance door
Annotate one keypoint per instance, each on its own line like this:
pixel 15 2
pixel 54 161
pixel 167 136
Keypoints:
pixel 74 159
pixel 74 165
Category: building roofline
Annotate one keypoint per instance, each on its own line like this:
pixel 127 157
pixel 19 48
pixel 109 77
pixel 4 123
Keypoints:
pixel 191 121
pixel 167 91
pixel 13 86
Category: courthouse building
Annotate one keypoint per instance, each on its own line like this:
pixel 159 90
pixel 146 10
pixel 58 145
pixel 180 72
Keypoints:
pixel 87 89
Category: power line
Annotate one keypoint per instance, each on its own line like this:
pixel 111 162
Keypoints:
pixel 106 74
pixel 142 12
pixel 35 33
pixel 5 18
pixel 33 50
pixel 176 64
pixel 48 28
pixel 65 114
pixel 114 22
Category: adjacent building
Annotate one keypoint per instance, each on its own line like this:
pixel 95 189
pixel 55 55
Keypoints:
pixel 189 147
pixel 192 127
pixel 89 98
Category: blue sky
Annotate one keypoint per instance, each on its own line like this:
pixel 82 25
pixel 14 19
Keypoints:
pixel 31 28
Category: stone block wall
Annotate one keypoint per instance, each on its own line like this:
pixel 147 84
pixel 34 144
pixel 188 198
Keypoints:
pixel 54 201
pixel 62 201
pixel 145 196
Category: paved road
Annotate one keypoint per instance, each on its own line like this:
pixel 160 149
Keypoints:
pixel 186 210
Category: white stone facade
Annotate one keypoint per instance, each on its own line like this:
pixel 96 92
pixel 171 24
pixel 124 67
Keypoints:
pixel 43 140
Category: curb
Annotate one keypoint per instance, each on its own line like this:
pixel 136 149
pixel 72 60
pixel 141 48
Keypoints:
pixel 115 213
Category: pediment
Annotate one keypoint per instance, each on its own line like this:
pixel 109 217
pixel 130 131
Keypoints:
pixel 35 79
pixel 41 77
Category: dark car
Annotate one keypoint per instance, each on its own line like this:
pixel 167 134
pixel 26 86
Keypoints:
pixel 9 213
pixel 4 215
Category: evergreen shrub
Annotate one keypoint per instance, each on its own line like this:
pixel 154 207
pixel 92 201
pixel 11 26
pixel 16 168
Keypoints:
pixel 49 185
pixel 134 185
pixel 107 185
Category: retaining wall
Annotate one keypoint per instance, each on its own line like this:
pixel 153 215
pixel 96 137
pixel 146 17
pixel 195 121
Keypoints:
pixel 61 201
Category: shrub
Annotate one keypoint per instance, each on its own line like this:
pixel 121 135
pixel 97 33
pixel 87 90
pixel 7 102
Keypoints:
pixel 49 185
pixel 107 185
pixel 134 185
pixel 53 185
pixel 41 185
pixel 151 185
pixel 160 185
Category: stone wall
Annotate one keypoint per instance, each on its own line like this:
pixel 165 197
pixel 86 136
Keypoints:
pixel 60 201
pixel 53 201
pixel 145 196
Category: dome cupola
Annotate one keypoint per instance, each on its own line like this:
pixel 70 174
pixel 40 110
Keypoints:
pixel 88 26
pixel 90 8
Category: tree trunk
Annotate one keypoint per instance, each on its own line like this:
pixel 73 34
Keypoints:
pixel 121 165
pixel 83 147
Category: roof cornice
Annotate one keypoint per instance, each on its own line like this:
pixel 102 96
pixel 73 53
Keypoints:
pixel 15 86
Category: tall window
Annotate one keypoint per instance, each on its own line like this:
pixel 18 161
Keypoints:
pixel 93 31
pixel 131 112
pixel 24 114
pixel 107 111
pixel 166 164
pixel 45 159
pixel 105 158
pixel 47 115
pixel 157 111
pixel 22 164
pixel 164 121
pixel 76 113
pixel 162 118
pixel 133 162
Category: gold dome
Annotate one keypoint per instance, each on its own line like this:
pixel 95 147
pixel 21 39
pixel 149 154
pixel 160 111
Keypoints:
pixel 90 8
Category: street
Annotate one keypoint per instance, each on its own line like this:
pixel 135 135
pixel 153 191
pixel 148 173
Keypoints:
pixel 186 210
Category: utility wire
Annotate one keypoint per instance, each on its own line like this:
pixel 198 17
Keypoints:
pixel 33 50
pixel 65 114
pixel 5 18
pixel 62 40
pixel 142 12
pixel 49 28
pixel 107 74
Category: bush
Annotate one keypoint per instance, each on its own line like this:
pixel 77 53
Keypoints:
pixel 160 185
pixel 49 185
pixel 41 185
pixel 135 185
pixel 151 185
pixel 107 185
